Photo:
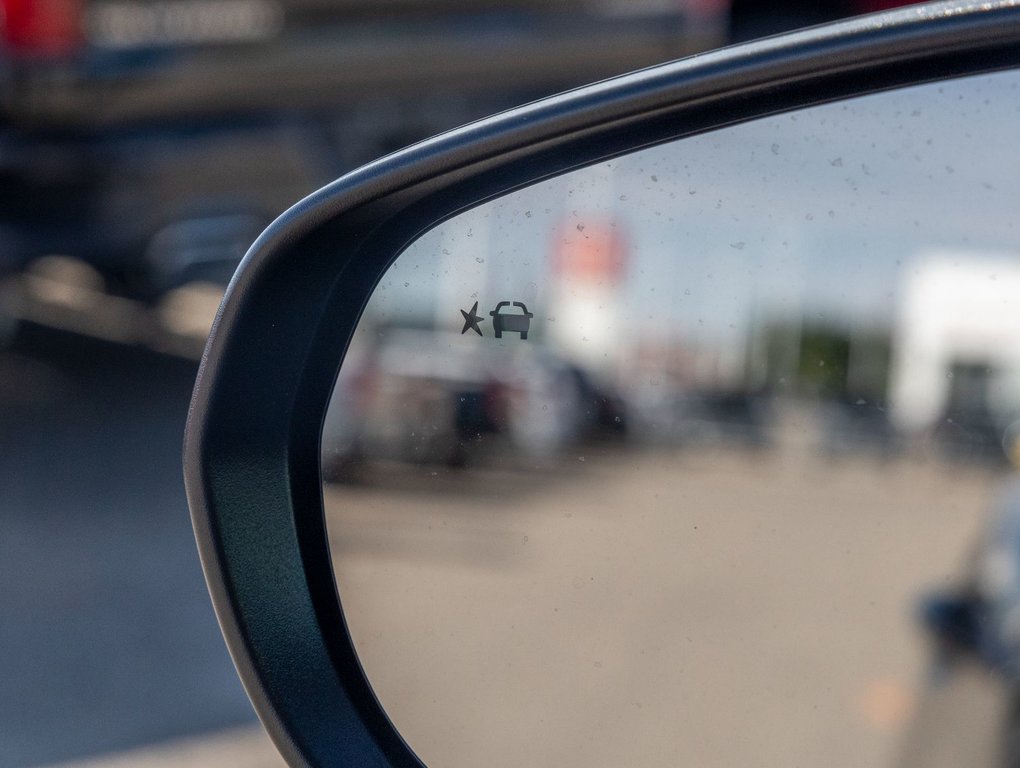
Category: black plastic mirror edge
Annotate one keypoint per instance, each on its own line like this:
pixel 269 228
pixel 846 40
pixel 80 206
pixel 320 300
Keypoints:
pixel 252 442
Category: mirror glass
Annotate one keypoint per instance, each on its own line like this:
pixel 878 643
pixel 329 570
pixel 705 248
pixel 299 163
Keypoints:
pixel 702 456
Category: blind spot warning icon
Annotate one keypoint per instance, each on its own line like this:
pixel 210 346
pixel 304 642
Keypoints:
pixel 511 322
pixel 471 321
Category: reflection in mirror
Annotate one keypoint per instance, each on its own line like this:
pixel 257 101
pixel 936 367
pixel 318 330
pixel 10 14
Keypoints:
pixel 702 456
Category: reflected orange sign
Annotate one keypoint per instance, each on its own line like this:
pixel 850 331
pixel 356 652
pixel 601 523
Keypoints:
pixel 589 250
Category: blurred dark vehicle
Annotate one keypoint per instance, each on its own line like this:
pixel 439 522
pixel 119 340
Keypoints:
pixel 603 412
pixel 154 139
pixel 971 428
pixel 969 435
pixel 979 621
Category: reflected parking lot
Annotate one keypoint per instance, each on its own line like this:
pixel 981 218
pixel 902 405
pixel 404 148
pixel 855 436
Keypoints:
pixel 658 608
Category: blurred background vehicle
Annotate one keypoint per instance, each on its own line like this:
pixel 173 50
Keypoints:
pixel 155 140
pixel 419 396
pixel 974 626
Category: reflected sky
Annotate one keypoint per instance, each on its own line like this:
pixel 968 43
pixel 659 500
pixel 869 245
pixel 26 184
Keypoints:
pixel 819 211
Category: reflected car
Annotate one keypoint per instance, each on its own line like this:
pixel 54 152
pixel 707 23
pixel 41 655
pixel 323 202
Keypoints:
pixel 418 396
pixel 978 621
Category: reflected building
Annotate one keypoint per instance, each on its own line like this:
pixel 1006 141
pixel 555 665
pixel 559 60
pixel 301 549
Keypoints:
pixel 956 343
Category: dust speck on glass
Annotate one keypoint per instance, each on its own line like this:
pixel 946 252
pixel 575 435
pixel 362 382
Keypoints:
pixel 704 455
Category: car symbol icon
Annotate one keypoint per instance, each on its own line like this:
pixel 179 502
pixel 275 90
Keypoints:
pixel 512 322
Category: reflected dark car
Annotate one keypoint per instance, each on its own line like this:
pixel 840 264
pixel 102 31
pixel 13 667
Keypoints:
pixel 979 620
pixel 971 435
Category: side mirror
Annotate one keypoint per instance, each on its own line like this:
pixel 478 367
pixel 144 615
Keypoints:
pixel 307 295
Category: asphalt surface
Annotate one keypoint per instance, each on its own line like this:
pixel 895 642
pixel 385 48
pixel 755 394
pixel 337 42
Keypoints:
pixel 107 637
